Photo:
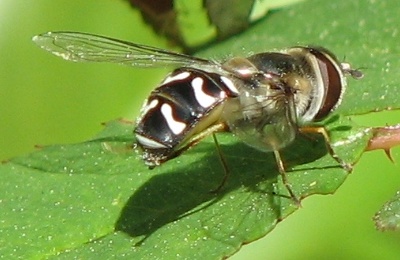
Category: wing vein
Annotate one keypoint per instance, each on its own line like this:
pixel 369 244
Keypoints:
pixel 83 47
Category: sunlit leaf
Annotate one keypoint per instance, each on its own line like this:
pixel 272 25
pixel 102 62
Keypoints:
pixel 97 199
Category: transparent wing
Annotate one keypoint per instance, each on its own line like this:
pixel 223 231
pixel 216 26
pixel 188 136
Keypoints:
pixel 83 47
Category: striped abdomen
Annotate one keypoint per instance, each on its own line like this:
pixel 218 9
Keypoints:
pixel 186 103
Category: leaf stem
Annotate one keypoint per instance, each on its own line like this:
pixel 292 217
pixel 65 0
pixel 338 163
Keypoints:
pixel 385 138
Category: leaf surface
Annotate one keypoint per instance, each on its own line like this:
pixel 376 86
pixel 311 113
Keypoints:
pixel 96 198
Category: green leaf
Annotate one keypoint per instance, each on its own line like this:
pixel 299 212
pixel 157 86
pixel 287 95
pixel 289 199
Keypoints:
pixel 65 196
pixel 97 199
pixel 388 218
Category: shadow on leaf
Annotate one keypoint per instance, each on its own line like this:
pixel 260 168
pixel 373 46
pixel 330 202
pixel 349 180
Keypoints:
pixel 183 191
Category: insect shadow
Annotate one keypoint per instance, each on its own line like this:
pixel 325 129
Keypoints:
pixel 180 192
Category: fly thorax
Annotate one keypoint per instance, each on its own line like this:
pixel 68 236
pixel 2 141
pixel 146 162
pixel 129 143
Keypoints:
pixel 263 117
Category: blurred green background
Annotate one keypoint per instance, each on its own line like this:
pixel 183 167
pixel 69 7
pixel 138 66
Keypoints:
pixel 45 100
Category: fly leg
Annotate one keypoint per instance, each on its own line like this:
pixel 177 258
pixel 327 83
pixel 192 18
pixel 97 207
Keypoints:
pixel 285 181
pixel 322 131
pixel 223 163
pixel 220 127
